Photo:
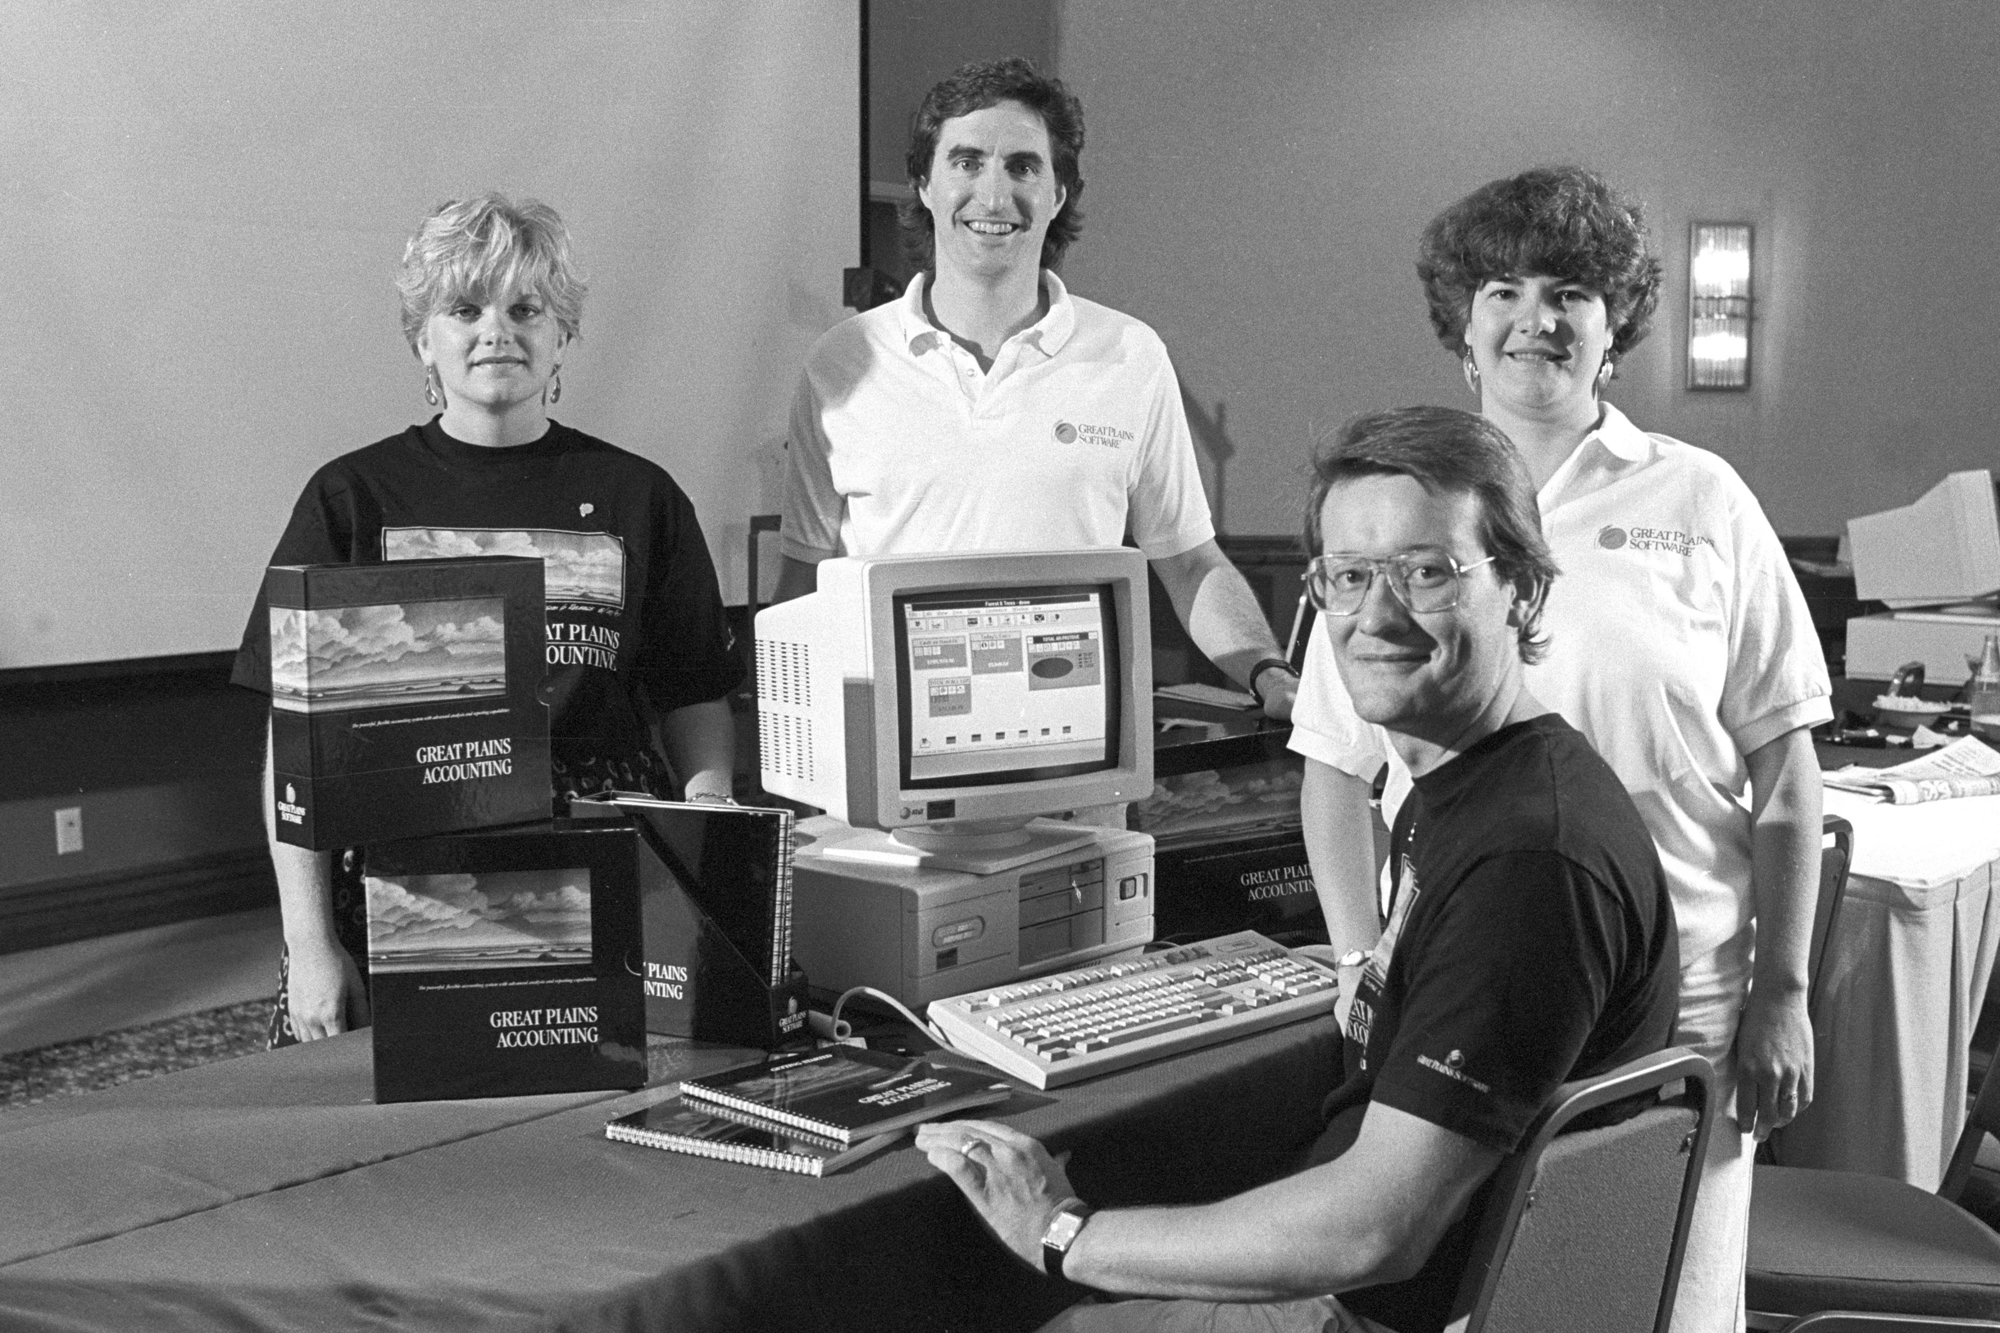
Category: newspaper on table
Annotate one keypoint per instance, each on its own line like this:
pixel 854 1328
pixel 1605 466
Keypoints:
pixel 1966 767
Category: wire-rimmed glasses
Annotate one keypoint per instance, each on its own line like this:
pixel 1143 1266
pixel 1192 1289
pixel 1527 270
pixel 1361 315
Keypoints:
pixel 1423 581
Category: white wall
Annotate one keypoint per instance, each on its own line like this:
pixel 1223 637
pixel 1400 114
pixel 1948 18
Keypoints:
pixel 1259 173
pixel 205 203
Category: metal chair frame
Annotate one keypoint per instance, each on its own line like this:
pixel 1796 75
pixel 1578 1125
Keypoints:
pixel 1514 1192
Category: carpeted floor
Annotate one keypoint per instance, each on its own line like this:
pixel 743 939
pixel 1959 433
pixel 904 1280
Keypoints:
pixel 111 1058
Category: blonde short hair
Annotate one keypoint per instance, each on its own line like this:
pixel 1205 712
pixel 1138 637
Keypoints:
pixel 485 244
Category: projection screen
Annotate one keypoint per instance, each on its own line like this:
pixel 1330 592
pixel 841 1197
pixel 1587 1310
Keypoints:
pixel 204 204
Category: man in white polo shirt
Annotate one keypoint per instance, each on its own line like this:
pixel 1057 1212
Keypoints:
pixel 991 410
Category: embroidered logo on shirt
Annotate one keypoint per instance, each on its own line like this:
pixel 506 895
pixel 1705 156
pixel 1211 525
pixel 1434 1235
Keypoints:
pixel 1611 538
pixel 586 509
pixel 1453 1067
pixel 1107 437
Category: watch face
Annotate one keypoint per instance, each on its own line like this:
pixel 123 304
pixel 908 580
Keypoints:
pixel 1063 1228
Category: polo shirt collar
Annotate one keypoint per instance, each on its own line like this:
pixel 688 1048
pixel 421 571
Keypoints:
pixel 918 332
pixel 1617 434
pixel 1052 330
pixel 1049 333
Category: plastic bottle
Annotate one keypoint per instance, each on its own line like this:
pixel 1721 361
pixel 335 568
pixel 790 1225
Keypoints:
pixel 1984 692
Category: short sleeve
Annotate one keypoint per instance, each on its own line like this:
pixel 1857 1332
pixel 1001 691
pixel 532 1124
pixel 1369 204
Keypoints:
pixel 1324 724
pixel 1777 678
pixel 321 531
pixel 814 507
pixel 687 655
pixel 1500 992
pixel 1167 507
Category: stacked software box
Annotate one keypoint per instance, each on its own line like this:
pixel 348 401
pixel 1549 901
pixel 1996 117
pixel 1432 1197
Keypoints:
pixel 405 698
pixel 505 962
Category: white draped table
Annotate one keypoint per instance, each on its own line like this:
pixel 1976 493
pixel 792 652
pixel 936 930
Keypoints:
pixel 1904 977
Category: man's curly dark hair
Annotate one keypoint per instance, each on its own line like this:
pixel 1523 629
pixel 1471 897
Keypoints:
pixel 1564 222
pixel 974 87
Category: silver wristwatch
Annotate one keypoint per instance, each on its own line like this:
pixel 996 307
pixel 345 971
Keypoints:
pixel 1070 1215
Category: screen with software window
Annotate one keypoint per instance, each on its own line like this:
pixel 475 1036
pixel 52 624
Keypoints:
pixel 957 689
pixel 1001 685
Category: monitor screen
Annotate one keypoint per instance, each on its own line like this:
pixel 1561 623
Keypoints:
pixel 1002 685
pixel 953 690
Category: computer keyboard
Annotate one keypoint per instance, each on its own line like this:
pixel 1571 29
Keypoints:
pixel 1075 1025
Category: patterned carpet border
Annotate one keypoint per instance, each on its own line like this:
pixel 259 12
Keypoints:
pixel 104 1061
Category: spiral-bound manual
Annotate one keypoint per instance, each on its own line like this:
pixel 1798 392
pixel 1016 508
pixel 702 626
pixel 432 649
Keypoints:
pixel 716 898
pixel 845 1093
pixel 676 1126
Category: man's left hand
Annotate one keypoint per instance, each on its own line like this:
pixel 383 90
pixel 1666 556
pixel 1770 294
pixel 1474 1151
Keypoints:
pixel 1774 1061
pixel 1009 1178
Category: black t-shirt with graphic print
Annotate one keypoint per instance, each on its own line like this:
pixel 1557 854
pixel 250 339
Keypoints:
pixel 1530 941
pixel 633 609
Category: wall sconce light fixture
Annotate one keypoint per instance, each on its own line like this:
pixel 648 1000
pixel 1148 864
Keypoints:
pixel 1719 305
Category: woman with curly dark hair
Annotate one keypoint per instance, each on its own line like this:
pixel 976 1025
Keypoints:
pixel 1679 645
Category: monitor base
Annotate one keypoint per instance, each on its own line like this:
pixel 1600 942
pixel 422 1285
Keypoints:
pixel 978 850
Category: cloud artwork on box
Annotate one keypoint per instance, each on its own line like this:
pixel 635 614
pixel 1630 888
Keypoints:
pixel 495 918
pixel 576 566
pixel 397 653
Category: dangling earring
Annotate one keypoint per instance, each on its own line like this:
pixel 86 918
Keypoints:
pixel 431 385
pixel 555 389
pixel 1471 373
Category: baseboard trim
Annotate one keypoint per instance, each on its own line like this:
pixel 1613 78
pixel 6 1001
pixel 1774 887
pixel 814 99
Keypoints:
pixel 34 916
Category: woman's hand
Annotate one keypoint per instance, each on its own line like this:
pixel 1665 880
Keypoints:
pixel 1774 1060
pixel 324 990
pixel 1009 1178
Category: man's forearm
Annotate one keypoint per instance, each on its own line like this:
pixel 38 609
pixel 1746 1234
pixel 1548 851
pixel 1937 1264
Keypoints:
pixel 1221 615
pixel 1211 1252
pixel 1371 1215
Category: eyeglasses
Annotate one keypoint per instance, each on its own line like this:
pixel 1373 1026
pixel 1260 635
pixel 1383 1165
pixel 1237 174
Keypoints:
pixel 1423 581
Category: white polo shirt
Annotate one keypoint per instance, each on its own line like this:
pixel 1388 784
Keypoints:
pixel 900 444
pixel 1679 642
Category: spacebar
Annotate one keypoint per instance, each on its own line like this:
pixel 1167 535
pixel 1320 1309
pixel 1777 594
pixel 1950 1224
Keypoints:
pixel 1126 1036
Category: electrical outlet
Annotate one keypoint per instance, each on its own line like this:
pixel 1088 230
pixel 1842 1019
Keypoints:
pixel 69 830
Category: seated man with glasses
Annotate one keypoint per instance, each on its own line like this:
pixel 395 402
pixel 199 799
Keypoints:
pixel 1531 939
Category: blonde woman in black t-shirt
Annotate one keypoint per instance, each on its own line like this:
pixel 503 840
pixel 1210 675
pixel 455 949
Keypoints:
pixel 639 657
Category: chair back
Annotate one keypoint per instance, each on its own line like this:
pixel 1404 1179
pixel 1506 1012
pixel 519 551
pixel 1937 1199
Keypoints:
pixel 1983 1119
pixel 1836 855
pixel 1849 1321
pixel 1585 1228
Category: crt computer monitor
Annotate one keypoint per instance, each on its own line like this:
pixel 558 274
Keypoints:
pixel 959 694
pixel 1943 547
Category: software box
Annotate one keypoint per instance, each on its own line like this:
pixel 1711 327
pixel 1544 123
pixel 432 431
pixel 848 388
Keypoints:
pixel 405 698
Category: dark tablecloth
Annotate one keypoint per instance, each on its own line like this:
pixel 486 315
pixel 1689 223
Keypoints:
pixel 271 1193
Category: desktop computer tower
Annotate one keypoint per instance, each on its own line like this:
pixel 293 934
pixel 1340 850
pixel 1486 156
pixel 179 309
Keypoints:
pixel 920 932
